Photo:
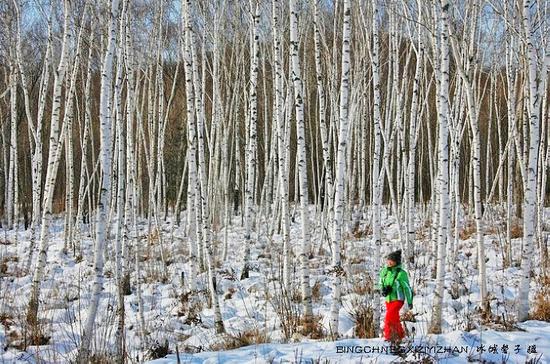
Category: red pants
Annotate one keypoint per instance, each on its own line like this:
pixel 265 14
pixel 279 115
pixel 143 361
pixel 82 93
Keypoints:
pixel 392 324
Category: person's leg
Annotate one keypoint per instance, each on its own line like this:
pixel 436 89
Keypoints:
pixel 399 327
pixel 392 329
pixel 387 333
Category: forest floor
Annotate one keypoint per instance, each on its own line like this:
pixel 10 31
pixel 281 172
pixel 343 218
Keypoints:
pixel 262 321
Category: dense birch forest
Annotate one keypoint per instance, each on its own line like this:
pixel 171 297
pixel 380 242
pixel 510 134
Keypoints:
pixel 187 176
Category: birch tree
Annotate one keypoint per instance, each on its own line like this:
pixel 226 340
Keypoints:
pixel 105 107
pixel 533 132
pixel 296 77
pixel 251 130
pixel 282 141
pixel 443 163
pixel 54 154
pixel 375 173
pixel 341 170
pixel 468 75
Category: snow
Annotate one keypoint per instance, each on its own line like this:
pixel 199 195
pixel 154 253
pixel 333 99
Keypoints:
pixel 250 304
pixel 459 347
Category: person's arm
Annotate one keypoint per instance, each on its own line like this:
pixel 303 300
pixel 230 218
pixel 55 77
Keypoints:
pixel 381 280
pixel 403 279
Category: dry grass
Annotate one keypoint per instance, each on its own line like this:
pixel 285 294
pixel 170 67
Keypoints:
pixel 287 312
pixel 312 328
pixel 501 323
pixel 362 315
pixel 253 337
pixel 409 316
pixel 5 262
pixel 3 268
pixel 296 295
pixel 467 231
pixel 36 337
pixel 359 232
pixel 30 336
pixel 364 285
pixel 19 333
pixel 245 338
pixel 155 273
pixel 292 322
pixel 228 273
pixel 423 232
pixel 356 259
pixel 190 307
pixel 542 301
pixel 492 229
pixel 6 320
pixel 158 350
pixel 5 242
pixel 100 358
pixel 229 294
pixel 154 235
pixel 316 292
pixel 516 230
pixel 126 286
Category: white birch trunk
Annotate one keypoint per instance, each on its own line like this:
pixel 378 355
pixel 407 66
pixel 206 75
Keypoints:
pixel 443 166
pixel 530 194
pixel 376 171
pixel 413 137
pixel 301 161
pixel 51 171
pixel 281 143
pixel 251 131
pixel 105 116
pixel 341 171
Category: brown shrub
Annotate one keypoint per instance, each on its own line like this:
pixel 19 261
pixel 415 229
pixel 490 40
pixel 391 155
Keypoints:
pixel 312 327
pixel 423 232
pixel 360 233
pixel 21 334
pixel 4 263
pixel 467 231
pixel 357 259
pixel 6 320
pixel 362 315
pixel 244 338
pixel 253 337
pixel 542 301
pixel 296 295
pixel 158 350
pixel 408 316
pixel 5 242
pixel 190 305
pixel 287 312
pixel 30 335
pixel 516 230
pixel 154 235
pixel 492 229
pixel 229 294
pixel 100 358
pixel 364 285
pixel 501 322
pixel 316 292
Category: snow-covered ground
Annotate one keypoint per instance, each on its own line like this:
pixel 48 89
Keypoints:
pixel 454 347
pixel 252 307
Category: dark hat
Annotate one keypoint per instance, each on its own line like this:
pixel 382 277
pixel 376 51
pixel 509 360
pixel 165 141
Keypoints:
pixel 395 256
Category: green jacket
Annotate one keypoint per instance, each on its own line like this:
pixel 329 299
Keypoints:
pixel 401 288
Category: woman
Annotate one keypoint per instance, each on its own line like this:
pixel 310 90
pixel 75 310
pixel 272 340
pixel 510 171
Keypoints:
pixel 394 285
